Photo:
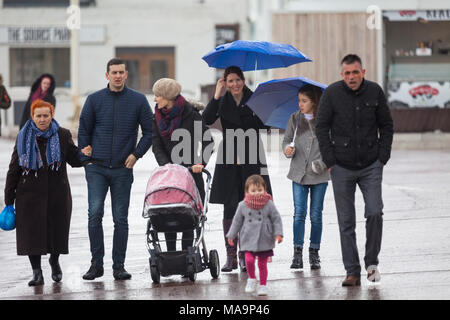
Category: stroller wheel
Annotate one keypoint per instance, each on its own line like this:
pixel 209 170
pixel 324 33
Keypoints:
pixel 214 265
pixel 154 272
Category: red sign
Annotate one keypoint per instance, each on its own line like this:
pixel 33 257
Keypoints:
pixel 424 90
pixel 407 13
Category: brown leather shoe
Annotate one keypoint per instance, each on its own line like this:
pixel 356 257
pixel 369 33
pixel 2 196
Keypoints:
pixel 351 281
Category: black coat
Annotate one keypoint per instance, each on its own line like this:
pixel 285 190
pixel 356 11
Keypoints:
pixel 43 203
pixel 251 162
pixel 49 97
pixel 354 128
pixel 163 146
pixel 5 101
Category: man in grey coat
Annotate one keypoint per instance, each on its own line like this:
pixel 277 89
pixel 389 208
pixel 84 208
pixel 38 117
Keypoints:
pixel 355 130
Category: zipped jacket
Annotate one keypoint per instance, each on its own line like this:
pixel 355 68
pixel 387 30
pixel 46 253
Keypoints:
pixel 354 128
pixel 109 122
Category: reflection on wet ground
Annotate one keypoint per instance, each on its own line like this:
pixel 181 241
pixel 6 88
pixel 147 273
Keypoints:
pixel 415 245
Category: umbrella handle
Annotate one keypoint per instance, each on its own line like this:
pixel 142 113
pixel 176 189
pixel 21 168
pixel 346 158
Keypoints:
pixel 293 137
pixel 255 84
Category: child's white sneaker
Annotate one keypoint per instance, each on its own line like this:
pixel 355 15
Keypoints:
pixel 262 291
pixel 251 285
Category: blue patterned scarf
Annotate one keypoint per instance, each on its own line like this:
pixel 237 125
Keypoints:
pixel 28 150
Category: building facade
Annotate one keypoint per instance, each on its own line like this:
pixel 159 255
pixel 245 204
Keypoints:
pixel 404 46
pixel 157 38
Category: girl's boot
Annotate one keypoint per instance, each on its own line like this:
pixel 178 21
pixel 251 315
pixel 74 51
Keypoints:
pixel 314 259
pixel 297 261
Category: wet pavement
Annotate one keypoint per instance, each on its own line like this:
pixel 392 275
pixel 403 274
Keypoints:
pixel 414 259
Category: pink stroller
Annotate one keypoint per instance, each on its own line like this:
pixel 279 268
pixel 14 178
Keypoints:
pixel 173 204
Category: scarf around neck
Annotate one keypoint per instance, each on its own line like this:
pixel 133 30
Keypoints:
pixel 28 150
pixel 257 202
pixel 168 120
pixel 38 94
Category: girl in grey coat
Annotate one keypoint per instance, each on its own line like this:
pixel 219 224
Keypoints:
pixel 258 224
pixel 308 174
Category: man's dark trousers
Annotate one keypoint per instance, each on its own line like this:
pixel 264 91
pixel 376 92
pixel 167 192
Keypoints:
pixel 344 186
pixel 118 181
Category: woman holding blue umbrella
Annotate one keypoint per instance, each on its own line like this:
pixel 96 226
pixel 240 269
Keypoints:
pixel 240 153
pixel 308 173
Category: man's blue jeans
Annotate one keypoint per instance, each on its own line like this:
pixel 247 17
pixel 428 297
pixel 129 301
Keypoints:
pixel 118 181
pixel 300 193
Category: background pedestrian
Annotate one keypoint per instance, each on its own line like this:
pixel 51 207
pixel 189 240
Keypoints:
pixel 5 100
pixel 42 88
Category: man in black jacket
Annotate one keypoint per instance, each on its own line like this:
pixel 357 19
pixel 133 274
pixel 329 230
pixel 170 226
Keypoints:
pixel 355 130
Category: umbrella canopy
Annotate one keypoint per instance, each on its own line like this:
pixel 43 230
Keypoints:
pixel 274 101
pixel 254 55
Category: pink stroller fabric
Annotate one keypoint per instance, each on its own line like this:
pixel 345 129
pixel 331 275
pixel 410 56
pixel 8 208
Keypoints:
pixel 173 183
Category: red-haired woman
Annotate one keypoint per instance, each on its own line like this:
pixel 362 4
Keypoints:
pixel 37 184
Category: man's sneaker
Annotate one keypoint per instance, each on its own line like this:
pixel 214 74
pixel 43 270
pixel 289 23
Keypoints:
pixel 94 271
pixel 373 275
pixel 251 285
pixel 262 291
pixel 119 273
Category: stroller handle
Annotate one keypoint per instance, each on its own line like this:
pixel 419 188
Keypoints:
pixel 208 174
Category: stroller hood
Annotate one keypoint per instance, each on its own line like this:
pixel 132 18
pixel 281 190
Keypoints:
pixel 172 183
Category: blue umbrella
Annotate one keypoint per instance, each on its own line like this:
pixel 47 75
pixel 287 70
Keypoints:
pixel 274 101
pixel 254 55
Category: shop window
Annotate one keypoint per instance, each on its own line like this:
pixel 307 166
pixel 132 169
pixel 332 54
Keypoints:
pixel 158 69
pixel 226 33
pixel 146 65
pixel 26 64
pixel 133 73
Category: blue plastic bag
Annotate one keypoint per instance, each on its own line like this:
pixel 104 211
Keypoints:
pixel 8 218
